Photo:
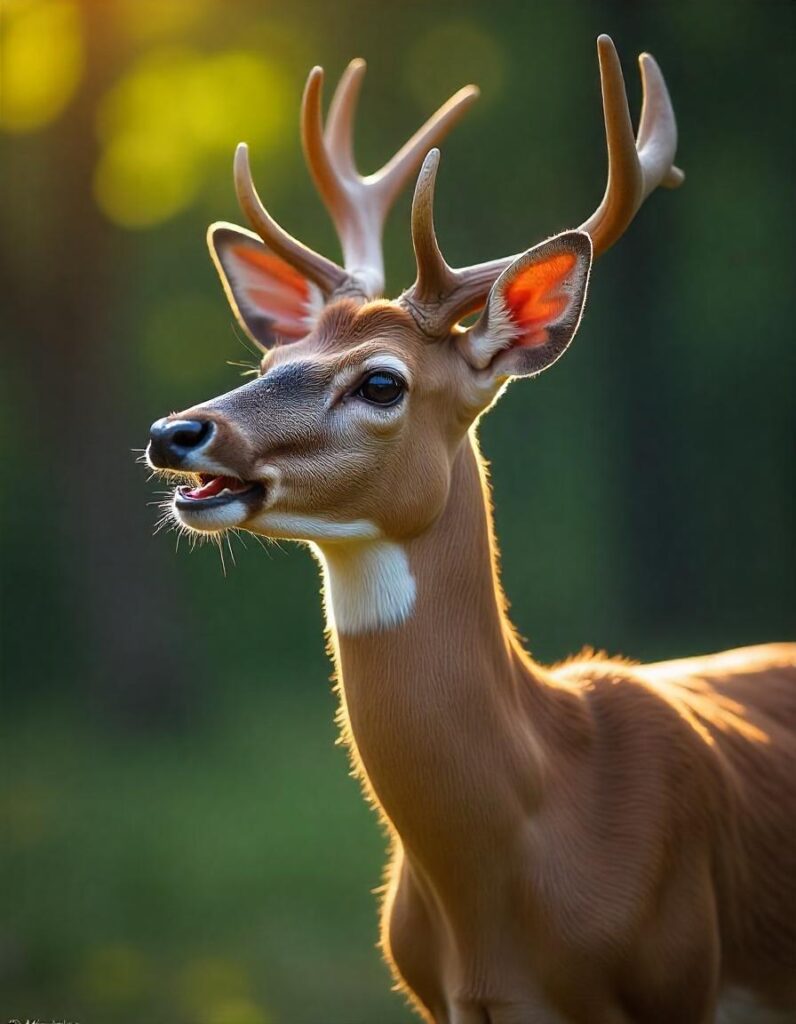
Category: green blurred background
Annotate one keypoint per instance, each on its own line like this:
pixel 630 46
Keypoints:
pixel 180 838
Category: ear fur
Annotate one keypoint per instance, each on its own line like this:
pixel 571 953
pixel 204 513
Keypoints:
pixel 533 309
pixel 272 301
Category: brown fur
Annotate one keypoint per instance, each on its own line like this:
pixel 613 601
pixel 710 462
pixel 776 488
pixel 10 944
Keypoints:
pixel 595 842
pixel 599 842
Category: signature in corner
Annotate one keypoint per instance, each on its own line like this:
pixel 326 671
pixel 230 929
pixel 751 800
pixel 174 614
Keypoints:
pixel 19 1020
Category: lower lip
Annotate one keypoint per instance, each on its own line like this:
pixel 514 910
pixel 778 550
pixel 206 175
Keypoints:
pixel 185 504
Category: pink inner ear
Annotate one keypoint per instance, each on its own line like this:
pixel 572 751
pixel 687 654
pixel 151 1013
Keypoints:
pixel 272 266
pixel 534 299
pixel 274 288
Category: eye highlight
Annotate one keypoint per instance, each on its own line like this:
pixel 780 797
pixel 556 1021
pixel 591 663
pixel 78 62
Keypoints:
pixel 381 387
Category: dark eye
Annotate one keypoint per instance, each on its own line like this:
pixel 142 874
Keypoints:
pixel 381 388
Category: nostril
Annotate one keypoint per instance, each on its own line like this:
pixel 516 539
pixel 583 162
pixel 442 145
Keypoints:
pixel 189 433
pixel 172 440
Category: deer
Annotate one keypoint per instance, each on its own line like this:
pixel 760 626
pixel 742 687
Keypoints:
pixel 599 841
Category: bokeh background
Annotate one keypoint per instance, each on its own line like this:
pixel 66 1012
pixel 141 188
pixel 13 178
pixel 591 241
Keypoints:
pixel 180 838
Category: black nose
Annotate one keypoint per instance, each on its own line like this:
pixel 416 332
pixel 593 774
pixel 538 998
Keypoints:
pixel 170 441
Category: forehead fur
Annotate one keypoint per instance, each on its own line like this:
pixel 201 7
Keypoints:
pixel 346 321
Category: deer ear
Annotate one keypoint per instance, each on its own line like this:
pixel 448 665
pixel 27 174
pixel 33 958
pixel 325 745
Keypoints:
pixel 272 301
pixel 533 309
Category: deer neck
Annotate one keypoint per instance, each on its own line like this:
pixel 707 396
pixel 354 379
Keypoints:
pixel 430 701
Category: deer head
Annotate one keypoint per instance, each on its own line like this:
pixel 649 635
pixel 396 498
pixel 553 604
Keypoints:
pixel 351 428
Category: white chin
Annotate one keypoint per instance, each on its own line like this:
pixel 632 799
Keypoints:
pixel 317 528
pixel 212 520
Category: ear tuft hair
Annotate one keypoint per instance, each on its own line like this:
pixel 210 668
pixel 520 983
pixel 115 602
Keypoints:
pixel 533 309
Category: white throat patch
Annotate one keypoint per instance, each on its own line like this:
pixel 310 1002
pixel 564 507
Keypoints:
pixel 368 585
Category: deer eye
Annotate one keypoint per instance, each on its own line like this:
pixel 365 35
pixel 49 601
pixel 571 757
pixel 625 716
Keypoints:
pixel 381 388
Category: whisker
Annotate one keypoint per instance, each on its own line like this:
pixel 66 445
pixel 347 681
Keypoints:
pixel 244 342
pixel 162 523
pixel 220 547
pixel 262 544
pixel 248 371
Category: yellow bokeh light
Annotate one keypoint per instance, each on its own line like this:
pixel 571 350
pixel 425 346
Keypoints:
pixel 170 116
pixel 150 97
pixel 41 61
pixel 234 96
pixel 141 180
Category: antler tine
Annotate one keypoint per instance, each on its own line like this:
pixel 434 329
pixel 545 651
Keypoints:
pixel 339 134
pixel 327 179
pixel 442 295
pixel 635 166
pixel 398 170
pixel 325 273
pixel 656 110
pixel 359 204
pixel 434 277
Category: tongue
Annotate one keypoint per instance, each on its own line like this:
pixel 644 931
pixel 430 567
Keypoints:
pixel 215 485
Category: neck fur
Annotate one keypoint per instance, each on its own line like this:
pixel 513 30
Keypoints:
pixel 368 585
pixel 427 665
pixel 371 584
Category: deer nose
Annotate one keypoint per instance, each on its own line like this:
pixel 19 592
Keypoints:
pixel 171 441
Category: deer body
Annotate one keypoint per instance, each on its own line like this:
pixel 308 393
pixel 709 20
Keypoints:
pixel 567 841
pixel 596 842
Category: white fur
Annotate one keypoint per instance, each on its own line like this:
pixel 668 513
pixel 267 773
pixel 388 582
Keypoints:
pixel 389 362
pixel 368 585
pixel 502 333
pixel 211 520
pixel 314 528
pixel 314 306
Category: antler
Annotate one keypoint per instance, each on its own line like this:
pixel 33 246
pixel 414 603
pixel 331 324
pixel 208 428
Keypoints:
pixel 358 205
pixel 322 271
pixel 442 295
pixel 636 167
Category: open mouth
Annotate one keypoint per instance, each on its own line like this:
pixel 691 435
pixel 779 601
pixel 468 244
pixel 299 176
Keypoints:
pixel 215 491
